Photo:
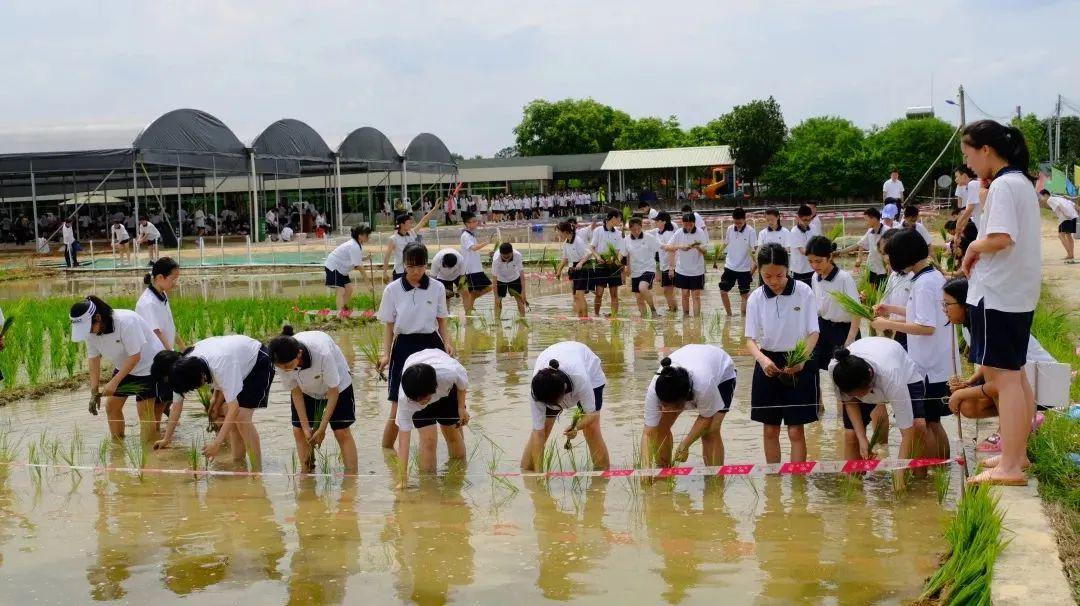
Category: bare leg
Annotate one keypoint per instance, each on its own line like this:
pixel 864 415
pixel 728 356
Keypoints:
pixel 520 305
pixel 347 446
pixel 614 300
pixel 685 302
pixel 771 439
pixel 455 441
pixel 696 298
pixel 851 445
pixel 147 426
pixel 304 452
pixel 657 442
pixel 390 430
pixel 114 412
pixel 429 440
pixel 727 301
pixel 647 295
pixel 1015 414
pixel 797 437
pixel 250 436
pixel 712 443
pixel 598 299
pixel 597 448
pixel 880 416
pixel 745 296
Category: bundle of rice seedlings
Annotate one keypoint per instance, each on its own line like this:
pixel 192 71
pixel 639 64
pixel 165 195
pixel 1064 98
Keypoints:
pixel 610 256
pixel 577 415
pixel 800 354
pixel 856 308
pixel 370 348
pixel 718 252
pixel 974 537
pixel 836 232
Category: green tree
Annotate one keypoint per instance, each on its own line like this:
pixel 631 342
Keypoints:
pixel 651 133
pixel 910 145
pixel 1070 144
pixel 822 158
pixel 1034 131
pixel 569 126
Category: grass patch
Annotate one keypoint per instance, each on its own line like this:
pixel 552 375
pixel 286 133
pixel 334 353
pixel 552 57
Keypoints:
pixel 974 537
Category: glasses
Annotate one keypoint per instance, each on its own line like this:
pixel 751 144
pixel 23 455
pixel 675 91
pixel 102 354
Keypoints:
pixel 945 305
pixel 416 266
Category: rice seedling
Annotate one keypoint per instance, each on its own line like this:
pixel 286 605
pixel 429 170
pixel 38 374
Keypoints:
pixel 942 478
pixel 877 438
pixel 371 348
pixel 33 456
pixel 717 253
pixel 610 256
pixel 974 537
pixel 8 449
pixel 194 452
pixel 325 462
pixel 136 454
pixel 576 416
pixel 853 306
pixel 800 354
pixel 836 232
pixel 103 452
pixel 849 485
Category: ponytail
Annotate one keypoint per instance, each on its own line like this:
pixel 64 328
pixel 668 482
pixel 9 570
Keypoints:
pixel 674 386
pixel 851 373
pixel 550 384
pixel 162 267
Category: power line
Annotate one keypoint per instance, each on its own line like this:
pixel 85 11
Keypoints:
pixel 968 99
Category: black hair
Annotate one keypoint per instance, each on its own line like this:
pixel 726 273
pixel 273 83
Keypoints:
pixel 689 218
pixel 773 211
pixel 162 267
pixel 1044 192
pixel 188 374
pixel 955 212
pixel 613 214
pixel 643 205
pixel 467 215
pixel 284 347
pixel 773 254
pixel 820 246
pixel 957 288
pixel 635 221
pixel 673 384
pixel 449 260
pixel 415 253
pixel 738 213
pixel 906 248
pixel 851 372
pixel 550 384
pixel 894 170
pixel 1007 141
pixel 161 367
pixel 566 228
pixel 103 311
pixel 360 230
pixel 873 212
pixel 911 211
pixel 950 225
pixel 505 248
pixel 418 381
pixel 965 169
pixel 401 218
pixel 805 211
pixel 665 221
pixel 686 208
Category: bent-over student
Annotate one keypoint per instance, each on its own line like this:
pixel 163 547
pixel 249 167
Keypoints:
pixel 694 377
pixel 433 392
pixel 447 268
pixel 508 268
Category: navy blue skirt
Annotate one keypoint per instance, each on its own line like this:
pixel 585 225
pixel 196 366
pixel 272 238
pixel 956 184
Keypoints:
pixel 779 400
pixel 831 336
pixel 404 346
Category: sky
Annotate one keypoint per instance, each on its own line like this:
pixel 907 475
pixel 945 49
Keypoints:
pixel 98 70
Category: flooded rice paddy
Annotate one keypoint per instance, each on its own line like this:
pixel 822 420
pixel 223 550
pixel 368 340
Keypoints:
pixel 75 537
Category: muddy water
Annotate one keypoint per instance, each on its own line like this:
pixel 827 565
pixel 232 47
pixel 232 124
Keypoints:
pixel 462 537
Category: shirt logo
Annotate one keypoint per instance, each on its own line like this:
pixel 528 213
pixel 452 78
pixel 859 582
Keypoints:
pixel 797 309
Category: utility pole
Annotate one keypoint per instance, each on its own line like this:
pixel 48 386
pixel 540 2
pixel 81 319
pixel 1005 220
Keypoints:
pixel 1057 133
pixel 1018 114
pixel 963 109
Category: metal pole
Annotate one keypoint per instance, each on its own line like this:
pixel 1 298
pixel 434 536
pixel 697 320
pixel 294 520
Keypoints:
pixel 33 201
pixel 251 203
pixel 179 211
pixel 406 204
pixel 135 198
pixel 1057 133
pixel 217 218
pixel 337 188
pixel 963 108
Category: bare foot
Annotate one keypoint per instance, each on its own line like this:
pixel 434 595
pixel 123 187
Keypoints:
pixel 995 460
pixel 998 478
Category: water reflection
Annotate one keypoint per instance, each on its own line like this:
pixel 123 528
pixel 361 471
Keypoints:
pixel 328 532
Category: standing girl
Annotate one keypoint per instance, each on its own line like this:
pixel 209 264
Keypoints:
pixel 477 283
pixel 693 377
pixel 782 312
pixel 153 304
pixel 799 235
pixel 239 369
pixel 405 233
pixel 923 320
pixel 689 245
pixel 574 254
pixel 897 285
pixel 566 375
pixel 739 263
pixel 413 310
pixel 607 248
pixel 838 327
pixel 433 389
pixel 1005 278
pixel 347 256
pixel 666 258
pixel 773 232
pixel 640 249
pixel 126 341
pixel 318 377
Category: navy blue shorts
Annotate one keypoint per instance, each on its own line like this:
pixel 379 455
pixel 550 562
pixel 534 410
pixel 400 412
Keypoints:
pixel 936 403
pixel 143 388
pixel 580 280
pixel 508 288
pixel 999 338
pixel 443 411
pixel 344 411
pixel 1067 227
pixel 901 338
pixel 598 395
pixel 647 277
pixel 917 393
pixel 477 281
pixel 404 346
pixel 730 277
pixel 666 279
pixel 255 392
pixel 336 279
pixel 448 284
pixel 689 282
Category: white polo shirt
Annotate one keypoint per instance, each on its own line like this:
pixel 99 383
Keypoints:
pixel 869 243
pixel 585 372
pixel 815 226
pixel 345 257
pixel 937 354
pixel 67 235
pixel 118 233
pixel 575 251
pixel 449 373
pixel 778 322
pixel 442 272
pixel 894 370
pixel 797 238
pixel 413 310
pixel 400 242
pixel 154 308
pixel 641 253
pixel 1009 280
pixel 131 335
pixel 231 359
pixel 690 262
pixel 837 280
pixel 327 367
pixel 507 271
pixel 1063 208
pixel 470 259
pixel 893 189
pixel 740 248
pixel 149 231
pixel 972 199
pixel 773 236
pixel 922 231
pixel 286 233
pixel 709 366
pixel 666 238
pixel 699 221
pixel 897 290
pixel 602 238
